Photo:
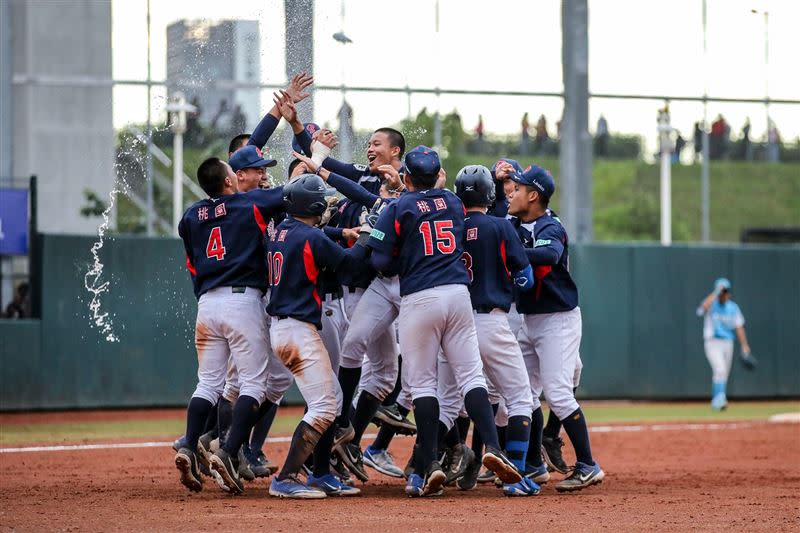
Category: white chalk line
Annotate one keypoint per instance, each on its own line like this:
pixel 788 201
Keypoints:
pixel 593 429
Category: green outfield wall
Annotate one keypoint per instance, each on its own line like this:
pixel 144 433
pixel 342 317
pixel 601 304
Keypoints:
pixel 641 338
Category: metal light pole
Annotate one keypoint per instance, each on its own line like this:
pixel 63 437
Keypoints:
pixel 148 153
pixel 664 131
pixel 766 62
pixel 179 107
pixel 705 185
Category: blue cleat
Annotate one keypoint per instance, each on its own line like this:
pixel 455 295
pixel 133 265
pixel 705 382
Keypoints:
pixel 292 488
pixel 719 402
pixel 179 443
pixel 414 485
pixel 582 476
pixel 526 487
pixel 332 486
pixel 537 474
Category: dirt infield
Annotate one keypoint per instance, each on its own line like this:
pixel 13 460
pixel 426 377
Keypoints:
pixel 728 478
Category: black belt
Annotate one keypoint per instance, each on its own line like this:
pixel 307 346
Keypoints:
pixel 485 308
pixel 242 290
pixel 351 290
pixel 335 295
pixel 282 317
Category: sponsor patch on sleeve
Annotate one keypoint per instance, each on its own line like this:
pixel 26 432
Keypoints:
pixel 359 167
pixel 377 234
pixel 541 242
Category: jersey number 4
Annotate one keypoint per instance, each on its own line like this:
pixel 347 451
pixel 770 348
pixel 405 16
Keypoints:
pixel 215 249
pixel 445 240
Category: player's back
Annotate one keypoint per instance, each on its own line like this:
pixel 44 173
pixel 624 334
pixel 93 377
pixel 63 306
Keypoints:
pixel 492 252
pixel 429 226
pixel 224 239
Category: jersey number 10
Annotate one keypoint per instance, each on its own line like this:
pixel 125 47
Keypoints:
pixel 275 264
pixel 445 240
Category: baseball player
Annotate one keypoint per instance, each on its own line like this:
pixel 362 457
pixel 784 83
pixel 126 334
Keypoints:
pixel 421 234
pixel 298 252
pixel 551 332
pixel 224 247
pixel 722 323
pixel 495 261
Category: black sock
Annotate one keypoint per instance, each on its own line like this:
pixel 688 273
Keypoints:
pixel 426 412
pixel 476 402
pixel 245 415
pixel 196 415
pixel 304 440
pixel 365 409
pixel 463 427
pixel 553 427
pixel 348 381
pixel 501 436
pixel 441 436
pixel 385 435
pixel 517 435
pixel 453 437
pixel 224 419
pixel 578 433
pixel 322 453
pixel 211 422
pixel 398 386
pixel 535 441
pixel 266 415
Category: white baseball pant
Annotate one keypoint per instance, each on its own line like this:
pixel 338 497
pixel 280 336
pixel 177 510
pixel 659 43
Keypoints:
pixel 231 326
pixel 719 353
pixel 334 328
pixel 550 346
pixel 299 346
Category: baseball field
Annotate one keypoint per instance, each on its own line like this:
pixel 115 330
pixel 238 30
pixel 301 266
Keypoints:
pixel 669 467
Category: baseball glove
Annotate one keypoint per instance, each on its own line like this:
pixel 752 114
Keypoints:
pixel 748 360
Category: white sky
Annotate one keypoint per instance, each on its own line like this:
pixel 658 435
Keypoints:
pixel 635 47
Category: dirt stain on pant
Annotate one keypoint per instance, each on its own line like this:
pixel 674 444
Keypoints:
pixel 290 355
pixel 202 333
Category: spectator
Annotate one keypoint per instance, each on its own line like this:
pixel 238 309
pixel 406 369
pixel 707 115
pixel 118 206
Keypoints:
pixel 525 135
pixel 20 306
pixel 601 138
pixel 773 143
pixel 542 136
pixel 479 135
pixel 747 146
pixel 698 141
pixel 680 143
pixel 718 131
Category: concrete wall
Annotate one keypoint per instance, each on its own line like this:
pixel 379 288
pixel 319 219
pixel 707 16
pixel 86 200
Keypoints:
pixel 63 131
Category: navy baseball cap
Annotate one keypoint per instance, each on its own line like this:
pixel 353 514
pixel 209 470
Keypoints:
pixel 512 162
pixel 249 156
pixel 423 161
pixel 538 178
pixel 311 128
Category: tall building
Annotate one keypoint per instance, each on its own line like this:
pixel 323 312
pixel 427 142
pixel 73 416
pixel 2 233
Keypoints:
pixel 200 52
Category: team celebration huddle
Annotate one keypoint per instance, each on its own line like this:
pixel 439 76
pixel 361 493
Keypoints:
pixel 381 294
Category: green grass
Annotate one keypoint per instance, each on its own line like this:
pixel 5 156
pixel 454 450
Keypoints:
pixel 168 429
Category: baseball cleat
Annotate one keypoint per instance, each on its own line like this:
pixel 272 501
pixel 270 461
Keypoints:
pixel 332 486
pixel 341 471
pixel 343 435
pixel 470 478
pixel 416 486
pixel 391 416
pixel 258 462
pixel 245 472
pixel 719 402
pixel 434 480
pixel 461 456
pixel 497 462
pixel 292 488
pixel 382 461
pixel 526 487
pixel 537 474
pixel 487 476
pixel 551 453
pixel 228 469
pixel 186 462
pixel 179 443
pixel 351 456
pixel 582 476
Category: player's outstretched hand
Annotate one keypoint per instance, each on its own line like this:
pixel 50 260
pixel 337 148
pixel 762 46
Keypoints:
pixel 503 170
pixel 392 177
pixel 748 360
pixel 297 87
pixel 351 234
pixel 326 137
pixel 441 181
pixel 310 164
pixel 283 101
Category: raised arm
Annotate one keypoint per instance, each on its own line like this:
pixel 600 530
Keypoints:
pixel 296 93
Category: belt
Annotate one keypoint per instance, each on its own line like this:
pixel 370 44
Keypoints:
pixel 282 317
pixel 334 295
pixel 485 308
pixel 242 290
pixel 352 290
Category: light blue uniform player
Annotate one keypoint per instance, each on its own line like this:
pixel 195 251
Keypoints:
pixel 723 322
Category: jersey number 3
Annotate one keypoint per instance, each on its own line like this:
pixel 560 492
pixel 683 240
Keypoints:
pixel 215 249
pixel 445 240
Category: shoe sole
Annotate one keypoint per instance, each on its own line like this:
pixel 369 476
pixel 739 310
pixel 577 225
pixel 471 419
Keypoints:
pixel 517 494
pixel 550 464
pixel 434 483
pixel 184 465
pixel 596 480
pixel 380 419
pixel 362 476
pixel 483 480
pixel 218 467
pixel 298 496
pixel 382 470
pixel 507 473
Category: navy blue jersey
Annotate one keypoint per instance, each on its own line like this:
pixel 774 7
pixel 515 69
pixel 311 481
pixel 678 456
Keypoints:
pixel 492 253
pixel 297 254
pixel 352 171
pixel 424 230
pixel 547 247
pixel 224 239
pixel 500 206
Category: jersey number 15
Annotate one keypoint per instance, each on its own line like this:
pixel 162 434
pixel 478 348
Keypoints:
pixel 445 240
